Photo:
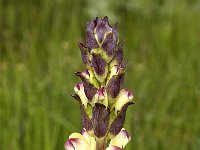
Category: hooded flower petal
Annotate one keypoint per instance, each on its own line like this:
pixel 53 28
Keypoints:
pixel 90 140
pixel 81 141
pixel 76 142
pixel 79 89
pixel 121 139
pixel 124 97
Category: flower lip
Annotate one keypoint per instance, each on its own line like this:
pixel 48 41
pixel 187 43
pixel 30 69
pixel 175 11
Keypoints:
pixel 78 86
pixel 70 144
pixel 126 134
pixel 100 95
pixel 101 91
pixel 130 95
pixel 114 148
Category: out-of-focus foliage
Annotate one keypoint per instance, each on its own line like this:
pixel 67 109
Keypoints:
pixel 38 55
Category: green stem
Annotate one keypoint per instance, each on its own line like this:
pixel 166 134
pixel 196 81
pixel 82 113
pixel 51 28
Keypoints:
pixel 100 145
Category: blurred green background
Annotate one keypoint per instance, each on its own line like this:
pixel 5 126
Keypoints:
pixel 39 54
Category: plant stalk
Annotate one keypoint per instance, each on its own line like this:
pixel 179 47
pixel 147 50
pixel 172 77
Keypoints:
pixel 100 144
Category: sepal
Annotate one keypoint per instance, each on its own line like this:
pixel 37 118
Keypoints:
pixel 87 123
pixel 100 120
pixel 100 67
pixel 84 53
pixel 114 85
pixel 118 122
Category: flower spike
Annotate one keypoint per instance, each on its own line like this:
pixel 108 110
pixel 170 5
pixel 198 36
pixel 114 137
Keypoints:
pixel 103 102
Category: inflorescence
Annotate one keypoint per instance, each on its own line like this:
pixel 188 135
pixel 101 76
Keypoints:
pixel 103 101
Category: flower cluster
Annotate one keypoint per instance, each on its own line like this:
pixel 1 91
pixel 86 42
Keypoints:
pixel 103 102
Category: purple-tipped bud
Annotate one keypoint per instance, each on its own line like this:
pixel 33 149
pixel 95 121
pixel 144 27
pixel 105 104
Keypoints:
pixel 100 34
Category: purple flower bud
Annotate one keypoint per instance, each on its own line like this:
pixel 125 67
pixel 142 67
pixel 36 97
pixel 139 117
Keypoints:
pixel 100 120
pixel 100 34
pixel 102 28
